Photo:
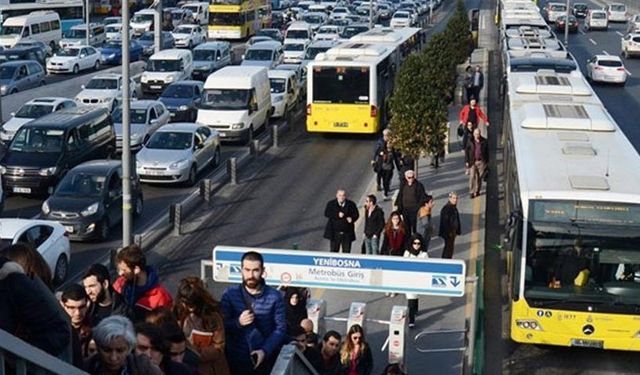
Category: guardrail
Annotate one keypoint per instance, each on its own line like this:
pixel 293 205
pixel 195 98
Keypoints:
pixel 19 358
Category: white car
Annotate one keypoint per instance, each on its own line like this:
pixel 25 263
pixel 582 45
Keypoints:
pixel 634 24
pixel 30 111
pixel 103 90
pixel 145 117
pixel 328 32
pixel 616 12
pixel 73 60
pixel 294 51
pixel 257 39
pixel 48 237
pixel 189 36
pixel 177 152
pixel 284 91
pixel 630 45
pixel 606 68
pixel 401 19
pixel 113 31
pixel 339 13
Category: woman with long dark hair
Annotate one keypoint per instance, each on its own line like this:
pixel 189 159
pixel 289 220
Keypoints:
pixel 31 261
pixel 395 235
pixel 200 318
pixel 355 353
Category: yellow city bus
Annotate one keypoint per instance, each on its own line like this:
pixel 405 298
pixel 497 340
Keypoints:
pixel 234 19
pixel 348 86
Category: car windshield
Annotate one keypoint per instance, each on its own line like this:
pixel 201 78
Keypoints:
pixel 68 52
pixel 598 16
pixel 164 66
pixel 277 85
pixel 297 34
pixel 182 30
pixel 225 99
pixel 75 34
pixel 102 84
pixel 270 33
pixel 204 55
pixel 348 32
pixel 34 110
pixel 11 30
pixel 313 19
pixel 328 30
pixel 401 15
pixel 169 141
pixel 294 47
pixel 136 115
pixel 142 18
pixel 314 51
pixel 340 10
pixel 558 8
pixel 6 72
pixel 41 140
pixel 178 91
pixel 177 15
pixel 80 184
pixel 146 37
pixel 258 54
pixel 112 45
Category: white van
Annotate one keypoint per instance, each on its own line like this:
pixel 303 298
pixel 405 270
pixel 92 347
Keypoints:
pixel 164 68
pixel 299 30
pixel 77 35
pixel 200 12
pixel 43 26
pixel 596 19
pixel 142 21
pixel 236 102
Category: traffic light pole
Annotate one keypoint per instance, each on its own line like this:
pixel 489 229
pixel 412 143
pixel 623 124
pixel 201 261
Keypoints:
pixel 126 130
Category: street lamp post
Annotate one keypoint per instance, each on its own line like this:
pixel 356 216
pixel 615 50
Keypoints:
pixel 370 14
pixel 566 28
pixel 86 10
pixel 126 130
pixel 157 29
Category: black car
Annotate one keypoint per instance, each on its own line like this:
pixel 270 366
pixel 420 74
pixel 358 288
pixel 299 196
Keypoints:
pixel 573 24
pixel 182 99
pixel 88 200
pixel 43 150
pixel 580 10
pixel 23 53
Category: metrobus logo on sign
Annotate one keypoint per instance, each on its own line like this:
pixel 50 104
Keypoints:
pixel 373 273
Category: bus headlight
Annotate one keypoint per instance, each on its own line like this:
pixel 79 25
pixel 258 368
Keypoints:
pixel 529 324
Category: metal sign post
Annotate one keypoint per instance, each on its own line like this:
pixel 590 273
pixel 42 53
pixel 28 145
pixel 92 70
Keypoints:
pixel 357 315
pixel 397 334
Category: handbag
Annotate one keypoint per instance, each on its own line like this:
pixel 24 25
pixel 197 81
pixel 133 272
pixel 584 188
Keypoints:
pixel 460 130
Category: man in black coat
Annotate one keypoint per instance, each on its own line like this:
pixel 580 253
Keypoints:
pixel 29 304
pixel 341 214
pixel 373 225
pixel 476 159
pixel 449 225
pixel 410 195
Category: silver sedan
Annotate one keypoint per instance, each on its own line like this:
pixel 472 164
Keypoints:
pixel 177 152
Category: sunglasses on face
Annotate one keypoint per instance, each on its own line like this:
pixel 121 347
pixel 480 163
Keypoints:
pixel 417 243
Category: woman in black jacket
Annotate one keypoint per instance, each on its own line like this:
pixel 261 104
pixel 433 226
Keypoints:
pixel 355 353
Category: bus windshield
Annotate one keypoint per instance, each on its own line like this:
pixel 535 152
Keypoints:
pixel 226 19
pixel 340 85
pixel 583 252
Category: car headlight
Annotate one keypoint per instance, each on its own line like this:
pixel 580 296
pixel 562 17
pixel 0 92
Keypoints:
pixel 90 210
pixel 278 98
pixel 3 169
pixel 143 79
pixel 3 89
pixel 48 171
pixel 45 208
pixel 136 139
pixel 179 164
pixel 237 126
pixel 169 79
pixel 183 108
pixel 112 56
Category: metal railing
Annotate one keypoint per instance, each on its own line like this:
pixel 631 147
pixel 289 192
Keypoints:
pixel 292 362
pixel 19 358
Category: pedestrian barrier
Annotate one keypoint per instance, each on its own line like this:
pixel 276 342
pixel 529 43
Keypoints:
pixel 292 362
pixel 232 172
pixel 19 358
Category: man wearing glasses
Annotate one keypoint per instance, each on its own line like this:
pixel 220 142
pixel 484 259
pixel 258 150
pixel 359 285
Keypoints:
pixel 410 195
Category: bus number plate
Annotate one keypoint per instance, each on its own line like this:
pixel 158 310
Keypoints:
pixel 340 124
pixel 587 343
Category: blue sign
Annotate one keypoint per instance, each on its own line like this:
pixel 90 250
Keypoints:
pixel 370 273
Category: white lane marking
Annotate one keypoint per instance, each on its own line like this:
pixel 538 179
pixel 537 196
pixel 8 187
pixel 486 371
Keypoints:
pixel 605 52
pixel 582 32
pixel 628 72
pixel 593 42
pixel 619 33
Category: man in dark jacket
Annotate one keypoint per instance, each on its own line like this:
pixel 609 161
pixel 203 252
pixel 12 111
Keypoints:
pixel 75 303
pixel 329 351
pixel 341 213
pixel 410 195
pixel 476 159
pixel 28 304
pixel 373 225
pixel 254 320
pixel 104 301
pixel 449 225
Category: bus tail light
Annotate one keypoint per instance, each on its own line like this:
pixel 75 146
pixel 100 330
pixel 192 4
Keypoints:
pixel 374 111
pixel 308 109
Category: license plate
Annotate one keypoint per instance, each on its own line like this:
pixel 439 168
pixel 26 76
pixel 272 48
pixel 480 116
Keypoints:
pixel 68 228
pixel 340 124
pixel 154 173
pixel 223 135
pixel 598 344
pixel 21 190
pixel 155 87
pixel 172 115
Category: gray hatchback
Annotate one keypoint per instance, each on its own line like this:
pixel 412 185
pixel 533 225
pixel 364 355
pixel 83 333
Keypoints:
pixel 20 75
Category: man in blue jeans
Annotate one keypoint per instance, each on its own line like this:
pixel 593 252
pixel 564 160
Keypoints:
pixel 373 225
pixel 254 320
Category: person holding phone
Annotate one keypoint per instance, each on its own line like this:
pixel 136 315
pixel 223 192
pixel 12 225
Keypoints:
pixel 254 320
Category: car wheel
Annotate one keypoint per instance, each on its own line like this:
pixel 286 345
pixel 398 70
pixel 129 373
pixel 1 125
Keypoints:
pixel 13 91
pixel 216 158
pixel 139 206
pixel 193 116
pixel 190 45
pixel 191 180
pixel 61 269
pixel 105 229
pixel 134 94
pixel 96 66
pixel 250 135
pixel 76 69
pixel 42 83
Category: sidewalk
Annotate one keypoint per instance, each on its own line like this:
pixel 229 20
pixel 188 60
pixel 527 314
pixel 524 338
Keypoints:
pixel 436 313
